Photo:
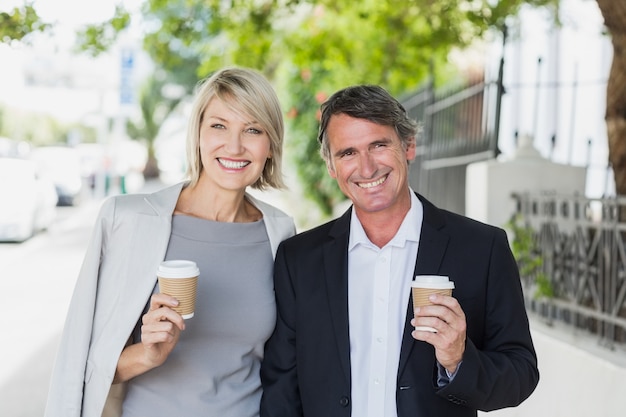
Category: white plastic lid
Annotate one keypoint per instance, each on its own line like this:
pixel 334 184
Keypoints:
pixel 178 269
pixel 432 281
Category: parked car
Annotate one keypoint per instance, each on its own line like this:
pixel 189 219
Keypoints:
pixel 27 201
pixel 62 165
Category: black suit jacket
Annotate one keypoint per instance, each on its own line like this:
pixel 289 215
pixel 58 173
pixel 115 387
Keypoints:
pixel 306 369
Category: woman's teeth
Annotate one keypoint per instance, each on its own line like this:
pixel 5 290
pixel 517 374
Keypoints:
pixel 233 164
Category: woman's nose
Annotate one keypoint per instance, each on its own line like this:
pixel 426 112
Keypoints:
pixel 234 143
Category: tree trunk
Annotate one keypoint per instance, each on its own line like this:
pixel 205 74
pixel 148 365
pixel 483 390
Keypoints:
pixel 614 13
pixel 151 170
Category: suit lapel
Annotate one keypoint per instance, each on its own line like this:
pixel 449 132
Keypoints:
pixel 432 246
pixel 336 275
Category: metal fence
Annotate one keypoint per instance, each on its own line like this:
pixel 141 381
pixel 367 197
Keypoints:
pixel 460 126
pixel 581 244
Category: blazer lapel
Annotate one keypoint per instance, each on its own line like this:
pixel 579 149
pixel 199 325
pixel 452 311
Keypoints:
pixel 155 223
pixel 432 246
pixel 336 275
pixel 150 240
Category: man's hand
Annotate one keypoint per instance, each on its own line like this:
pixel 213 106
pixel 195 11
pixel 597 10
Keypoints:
pixel 447 317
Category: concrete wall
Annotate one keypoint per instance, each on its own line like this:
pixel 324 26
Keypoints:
pixel 489 185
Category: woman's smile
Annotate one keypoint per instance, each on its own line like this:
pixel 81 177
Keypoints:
pixel 232 164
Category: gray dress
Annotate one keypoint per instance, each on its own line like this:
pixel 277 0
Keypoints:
pixel 214 368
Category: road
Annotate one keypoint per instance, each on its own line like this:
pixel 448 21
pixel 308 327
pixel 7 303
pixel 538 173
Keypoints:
pixel 37 278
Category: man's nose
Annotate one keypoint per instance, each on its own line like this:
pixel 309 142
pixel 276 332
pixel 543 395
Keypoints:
pixel 367 165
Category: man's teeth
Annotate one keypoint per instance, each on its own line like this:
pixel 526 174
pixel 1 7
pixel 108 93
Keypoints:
pixel 233 164
pixel 372 184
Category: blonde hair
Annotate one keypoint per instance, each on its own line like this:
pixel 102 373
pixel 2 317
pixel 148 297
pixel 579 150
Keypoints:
pixel 249 92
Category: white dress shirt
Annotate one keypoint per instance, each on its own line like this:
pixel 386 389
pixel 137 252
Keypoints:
pixel 379 281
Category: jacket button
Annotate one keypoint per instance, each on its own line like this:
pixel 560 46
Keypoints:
pixel 344 401
pixel 454 399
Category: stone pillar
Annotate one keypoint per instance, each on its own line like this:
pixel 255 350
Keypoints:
pixel 490 184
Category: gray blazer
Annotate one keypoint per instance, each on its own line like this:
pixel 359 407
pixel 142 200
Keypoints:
pixel 129 239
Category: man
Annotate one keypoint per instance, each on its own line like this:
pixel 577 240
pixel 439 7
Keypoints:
pixel 344 343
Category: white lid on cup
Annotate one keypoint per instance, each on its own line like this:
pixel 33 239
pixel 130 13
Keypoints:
pixel 178 269
pixel 432 281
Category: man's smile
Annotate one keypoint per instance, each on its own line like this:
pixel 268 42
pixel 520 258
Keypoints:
pixel 372 183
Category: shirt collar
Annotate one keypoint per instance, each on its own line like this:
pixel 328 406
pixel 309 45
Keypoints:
pixel 409 229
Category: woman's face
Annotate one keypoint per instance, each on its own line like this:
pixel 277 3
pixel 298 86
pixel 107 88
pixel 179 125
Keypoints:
pixel 233 147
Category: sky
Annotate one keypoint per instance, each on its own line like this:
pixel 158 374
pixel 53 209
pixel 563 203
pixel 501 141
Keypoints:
pixel 50 55
pixel 67 16
pixel 73 13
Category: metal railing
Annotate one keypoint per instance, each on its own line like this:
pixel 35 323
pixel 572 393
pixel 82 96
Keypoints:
pixel 459 127
pixel 582 246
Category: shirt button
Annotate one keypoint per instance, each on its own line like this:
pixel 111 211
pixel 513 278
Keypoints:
pixel 379 339
pixel 383 259
pixel 376 381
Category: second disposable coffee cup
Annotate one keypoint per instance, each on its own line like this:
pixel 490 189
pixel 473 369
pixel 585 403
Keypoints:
pixel 179 278
pixel 425 285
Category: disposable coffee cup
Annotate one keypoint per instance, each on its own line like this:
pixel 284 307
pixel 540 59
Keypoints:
pixel 425 285
pixel 179 278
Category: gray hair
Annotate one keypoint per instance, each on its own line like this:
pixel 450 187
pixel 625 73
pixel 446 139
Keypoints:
pixel 369 102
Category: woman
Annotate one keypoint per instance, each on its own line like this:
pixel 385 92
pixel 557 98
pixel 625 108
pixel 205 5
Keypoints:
pixel 122 339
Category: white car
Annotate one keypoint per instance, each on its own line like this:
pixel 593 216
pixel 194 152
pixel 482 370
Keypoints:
pixel 62 165
pixel 27 202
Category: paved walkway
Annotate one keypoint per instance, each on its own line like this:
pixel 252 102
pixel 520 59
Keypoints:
pixel 41 295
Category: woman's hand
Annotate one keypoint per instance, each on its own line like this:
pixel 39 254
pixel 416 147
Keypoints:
pixel 160 331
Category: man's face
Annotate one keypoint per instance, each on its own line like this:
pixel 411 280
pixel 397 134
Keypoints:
pixel 370 165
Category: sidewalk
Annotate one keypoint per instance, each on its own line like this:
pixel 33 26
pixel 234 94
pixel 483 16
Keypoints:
pixel 578 377
pixel 33 335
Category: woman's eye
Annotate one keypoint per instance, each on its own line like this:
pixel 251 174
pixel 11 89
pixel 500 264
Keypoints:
pixel 218 126
pixel 254 131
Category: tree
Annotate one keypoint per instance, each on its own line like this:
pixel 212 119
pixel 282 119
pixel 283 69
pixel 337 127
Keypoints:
pixel 391 43
pixel 311 48
pixel 155 106
pixel 19 22
pixel 614 13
